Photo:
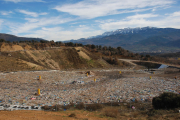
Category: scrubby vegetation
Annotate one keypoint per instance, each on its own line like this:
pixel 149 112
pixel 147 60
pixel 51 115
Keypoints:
pixel 116 110
pixel 166 101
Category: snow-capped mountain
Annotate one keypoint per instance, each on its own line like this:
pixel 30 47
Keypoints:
pixel 123 31
pixel 138 39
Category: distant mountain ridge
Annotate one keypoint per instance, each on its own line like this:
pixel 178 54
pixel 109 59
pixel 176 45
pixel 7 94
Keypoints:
pixel 146 39
pixel 123 31
pixel 11 38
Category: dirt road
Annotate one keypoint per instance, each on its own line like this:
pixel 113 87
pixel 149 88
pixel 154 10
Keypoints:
pixel 131 61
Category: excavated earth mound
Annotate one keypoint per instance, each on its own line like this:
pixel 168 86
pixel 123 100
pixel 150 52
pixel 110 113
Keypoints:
pixel 8 48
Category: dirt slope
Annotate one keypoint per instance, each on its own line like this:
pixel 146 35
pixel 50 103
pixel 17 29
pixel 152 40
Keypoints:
pixel 82 54
pixel 62 58
pixel 9 63
pixel 7 48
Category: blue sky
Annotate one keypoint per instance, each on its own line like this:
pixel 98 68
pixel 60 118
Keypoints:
pixel 73 19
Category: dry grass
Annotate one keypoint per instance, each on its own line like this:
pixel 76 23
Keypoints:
pixel 110 112
pixel 94 107
pixel 107 113
pixel 72 115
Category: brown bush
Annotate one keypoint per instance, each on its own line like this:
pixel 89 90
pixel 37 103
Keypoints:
pixel 111 112
pixel 135 114
pixel 66 107
pixel 80 106
pixel 58 108
pixel 93 107
pixel 113 103
pixel 152 112
pixel 55 108
pixel 47 107
pixel 72 115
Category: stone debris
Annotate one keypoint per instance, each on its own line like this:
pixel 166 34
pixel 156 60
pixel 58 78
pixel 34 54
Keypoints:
pixel 63 87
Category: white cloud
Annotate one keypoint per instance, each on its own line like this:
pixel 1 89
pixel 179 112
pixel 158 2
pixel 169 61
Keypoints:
pixel 58 33
pixel 37 23
pixel 16 1
pixel 105 21
pixel 96 8
pixel 1 22
pixel 46 33
pixel 33 14
pixel 82 26
pixel 31 20
pixel 142 20
pixel 5 12
pixel 176 13
pixel 142 16
pixel 44 13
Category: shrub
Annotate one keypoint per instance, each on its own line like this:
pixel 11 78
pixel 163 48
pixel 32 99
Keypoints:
pixel 58 107
pixel 93 107
pixel 111 112
pixel 80 106
pixel 49 108
pixel 66 107
pixel 72 115
pixel 110 60
pixel 166 100
pixel 112 104
pixel 45 107
pixel 151 112
pixel 54 108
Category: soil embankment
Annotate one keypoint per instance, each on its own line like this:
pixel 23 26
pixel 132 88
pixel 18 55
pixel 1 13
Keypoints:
pixel 52 59
pixel 10 48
